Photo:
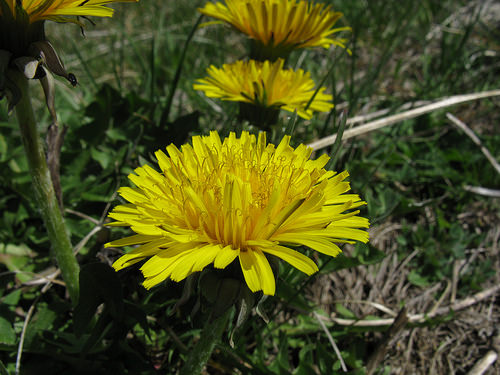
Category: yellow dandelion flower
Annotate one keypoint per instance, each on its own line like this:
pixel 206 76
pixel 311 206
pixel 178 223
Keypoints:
pixel 58 10
pixel 265 84
pixel 280 24
pixel 22 21
pixel 217 201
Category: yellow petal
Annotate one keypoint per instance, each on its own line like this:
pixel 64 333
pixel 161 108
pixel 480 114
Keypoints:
pixel 257 271
pixel 132 240
pixel 225 257
pixel 296 259
pixel 317 243
pixel 139 253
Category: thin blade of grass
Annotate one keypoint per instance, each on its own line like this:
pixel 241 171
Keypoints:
pixel 292 122
pixel 84 64
pixel 166 111
pixel 338 141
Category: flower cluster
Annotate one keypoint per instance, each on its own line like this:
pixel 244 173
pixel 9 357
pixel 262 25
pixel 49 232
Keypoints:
pixel 275 28
pixel 216 201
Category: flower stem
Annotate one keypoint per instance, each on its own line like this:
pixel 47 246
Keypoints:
pixel 43 189
pixel 200 354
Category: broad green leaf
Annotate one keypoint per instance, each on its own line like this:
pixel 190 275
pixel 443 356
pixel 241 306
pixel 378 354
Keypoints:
pixel 7 333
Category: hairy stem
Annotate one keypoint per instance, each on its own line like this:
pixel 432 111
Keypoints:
pixel 43 189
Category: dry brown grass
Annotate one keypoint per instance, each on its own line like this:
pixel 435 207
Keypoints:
pixel 445 345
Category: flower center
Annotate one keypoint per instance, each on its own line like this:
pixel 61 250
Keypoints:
pixel 232 194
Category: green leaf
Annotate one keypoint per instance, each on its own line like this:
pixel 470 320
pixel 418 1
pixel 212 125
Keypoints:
pixel 102 327
pixel 3 370
pixel 102 157
pixel 282 358
pixel 288 294
pixel 16 250
pixel 41 322
pixel 368 254
pixel 16 259
pixel 3 148
pixel 7 333
pixel 416 279
pixel 12 298
pixel 326 359
pixel 340 262
pixel 306 359
pixel 344 311
pixel 99 283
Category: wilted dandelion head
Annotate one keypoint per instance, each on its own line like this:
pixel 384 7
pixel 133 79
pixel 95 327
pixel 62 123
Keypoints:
pixel 217 201
pixel 23 43
pixel 265 84
pixel 279 26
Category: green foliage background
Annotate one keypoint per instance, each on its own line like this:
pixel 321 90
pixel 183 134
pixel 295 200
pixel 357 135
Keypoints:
pixel 128 105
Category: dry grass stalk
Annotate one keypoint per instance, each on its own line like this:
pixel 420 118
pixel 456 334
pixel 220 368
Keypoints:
pixel 484 363
pixel 422 317
pixel 412 113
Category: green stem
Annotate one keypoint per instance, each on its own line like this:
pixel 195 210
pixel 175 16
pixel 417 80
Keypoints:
pixel 200 354
pixel 43 189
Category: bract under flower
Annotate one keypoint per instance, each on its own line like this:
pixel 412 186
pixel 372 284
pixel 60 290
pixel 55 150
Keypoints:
pixel 217 201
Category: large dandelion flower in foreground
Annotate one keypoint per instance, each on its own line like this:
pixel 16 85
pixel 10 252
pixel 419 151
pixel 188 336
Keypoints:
pixel 217 201
pixel 280 25
pixel 266 85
